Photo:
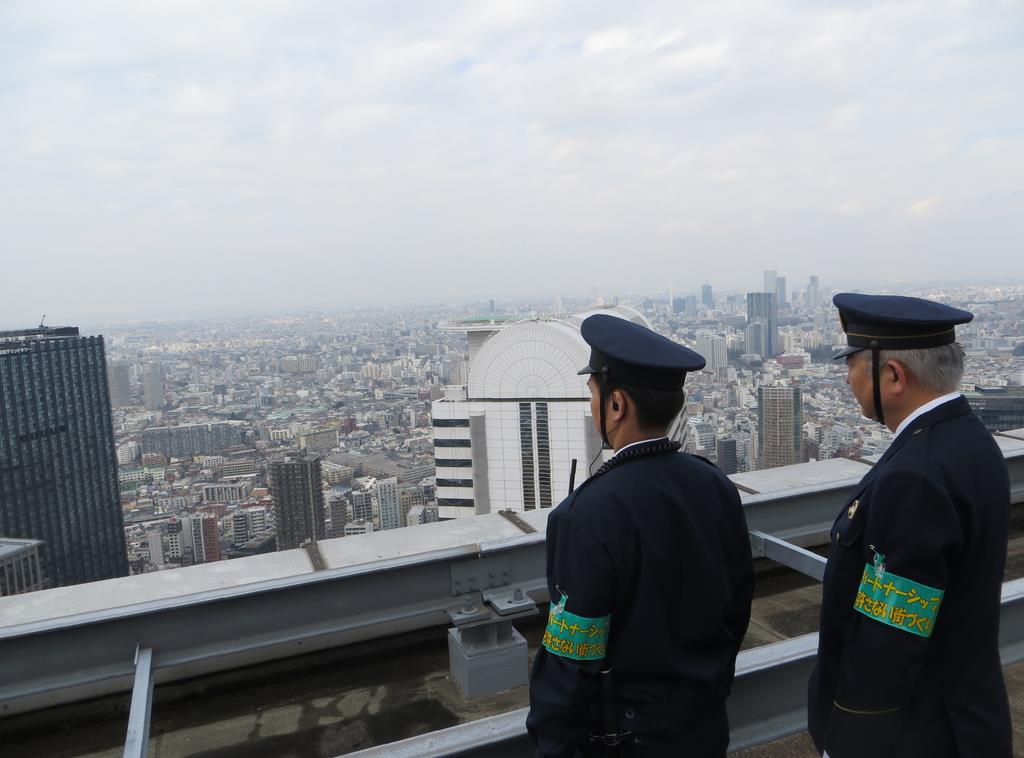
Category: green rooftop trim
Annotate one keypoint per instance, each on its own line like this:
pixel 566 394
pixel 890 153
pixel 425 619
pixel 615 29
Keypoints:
pixel 486 319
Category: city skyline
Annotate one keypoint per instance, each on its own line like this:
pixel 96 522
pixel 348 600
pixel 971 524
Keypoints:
pixel 544 303
pixel 318 154
pixel 404 407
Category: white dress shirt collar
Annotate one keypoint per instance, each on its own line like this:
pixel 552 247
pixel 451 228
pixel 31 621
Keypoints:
pixel 930 405
pixel 639 442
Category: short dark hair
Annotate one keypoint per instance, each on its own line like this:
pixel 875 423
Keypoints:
pixel 655 409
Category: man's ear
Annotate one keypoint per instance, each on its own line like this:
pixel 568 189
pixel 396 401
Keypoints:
pixel 897 374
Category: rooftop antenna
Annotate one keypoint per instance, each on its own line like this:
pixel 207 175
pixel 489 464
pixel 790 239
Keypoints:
pixel 41 321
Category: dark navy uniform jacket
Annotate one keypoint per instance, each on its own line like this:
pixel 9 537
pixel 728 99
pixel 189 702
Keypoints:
pixel 656 540
pixel 908 657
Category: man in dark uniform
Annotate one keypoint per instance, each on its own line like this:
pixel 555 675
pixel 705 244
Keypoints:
pixel 649 573
pixel 908 654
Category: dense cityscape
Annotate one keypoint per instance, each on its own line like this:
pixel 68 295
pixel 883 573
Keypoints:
pixel 245 436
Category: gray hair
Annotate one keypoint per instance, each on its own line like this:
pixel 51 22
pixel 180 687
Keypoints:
pixel 937 369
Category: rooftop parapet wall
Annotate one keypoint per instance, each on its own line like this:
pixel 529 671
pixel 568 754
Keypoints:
pixel 68 644
pixel 779 501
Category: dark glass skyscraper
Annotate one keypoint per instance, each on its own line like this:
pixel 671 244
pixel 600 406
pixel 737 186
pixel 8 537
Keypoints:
pixel 706 296
pixel 58 465
pixel 763 307
pixel 295 484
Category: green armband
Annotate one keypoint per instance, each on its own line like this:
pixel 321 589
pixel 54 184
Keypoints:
pixel 898 602
pixel 576 637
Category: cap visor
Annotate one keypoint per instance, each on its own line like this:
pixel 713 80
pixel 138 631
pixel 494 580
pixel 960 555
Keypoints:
pixel 847 351
pixel 586 370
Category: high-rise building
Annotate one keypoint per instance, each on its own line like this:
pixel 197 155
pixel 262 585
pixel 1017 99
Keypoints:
pixel 337 514
pixel 319 441
pixel 508 438
pixel 153 386
pixel 127 453
pixel 236 527
pixel 260 520
pixel 690 306
pixel 58 464
pixel 362 505
pixel 388 502
pixel 812 295
pixel 226 491
pixel 780 291
pixel 205 537
pixel 779 426
pixel 176 540
pixel 725 452
pixel 298 500
pixel 409 497
pixel 297 364
pixel 190 439
pixel 763 307
pixel 770 276
pixel 247 523
pixel 154 538
pixel 120 384
pixel 706 296
pixel 754 338
pixel 714 350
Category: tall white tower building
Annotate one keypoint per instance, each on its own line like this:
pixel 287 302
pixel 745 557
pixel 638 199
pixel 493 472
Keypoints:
pixel 387 501
pixel 507 438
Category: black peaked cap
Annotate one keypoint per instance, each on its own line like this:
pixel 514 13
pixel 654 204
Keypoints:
pixel 632 354
pixel 895 322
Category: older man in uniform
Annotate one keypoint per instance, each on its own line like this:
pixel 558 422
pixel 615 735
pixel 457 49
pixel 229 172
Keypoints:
pixel 908 654
pixel 649 573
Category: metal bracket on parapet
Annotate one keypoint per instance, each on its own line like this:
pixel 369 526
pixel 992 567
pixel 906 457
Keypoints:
pixel 797 558
pixel 507 602
pixel 469 612
pixel 481 574
pixel 137 741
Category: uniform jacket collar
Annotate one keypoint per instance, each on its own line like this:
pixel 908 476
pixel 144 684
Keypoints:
pixel 658 446
pixel 952 409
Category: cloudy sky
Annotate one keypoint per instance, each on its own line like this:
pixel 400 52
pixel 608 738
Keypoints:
pixel 166 159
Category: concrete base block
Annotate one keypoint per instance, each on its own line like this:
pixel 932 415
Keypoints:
pixel 488 658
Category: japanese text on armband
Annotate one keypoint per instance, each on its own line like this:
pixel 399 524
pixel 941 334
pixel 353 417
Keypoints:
pixel 898 602
pixel 576 637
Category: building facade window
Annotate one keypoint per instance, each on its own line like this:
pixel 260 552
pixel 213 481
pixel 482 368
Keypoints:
pixel 526 448
pixel 543 455
pixel 451 443
pixel 457 502
pixel 443 423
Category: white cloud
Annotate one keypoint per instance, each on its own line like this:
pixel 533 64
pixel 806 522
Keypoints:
pixel 376 141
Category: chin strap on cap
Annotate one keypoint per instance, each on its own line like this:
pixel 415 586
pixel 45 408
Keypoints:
pixel 603 381
pixel 876 384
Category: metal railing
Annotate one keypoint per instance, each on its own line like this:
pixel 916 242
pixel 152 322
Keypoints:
pixel 768 699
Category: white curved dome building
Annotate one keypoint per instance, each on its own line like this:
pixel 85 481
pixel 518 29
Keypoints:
pixel 506 440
